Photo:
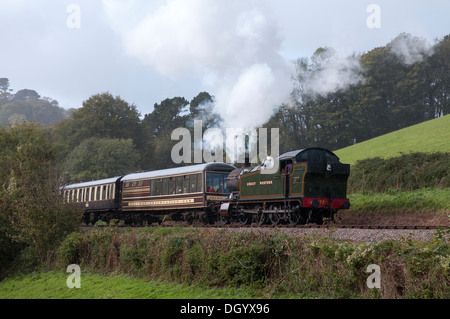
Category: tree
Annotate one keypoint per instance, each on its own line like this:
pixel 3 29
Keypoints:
pixel 157 127
pixel 165 117
pixel 27 105
pixel 102 116
pixel 4 85
pixel 201 108
pixel 5 96
pixel 97 158
pixel 26 94
pixel 33 214
pixel 439 78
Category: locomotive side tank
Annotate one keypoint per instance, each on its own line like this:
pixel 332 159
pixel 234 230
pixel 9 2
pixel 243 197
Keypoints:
pixel 307 186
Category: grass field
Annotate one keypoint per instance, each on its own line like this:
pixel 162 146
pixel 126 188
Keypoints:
pixel 430 136
pixel 422 200
pixel 52 285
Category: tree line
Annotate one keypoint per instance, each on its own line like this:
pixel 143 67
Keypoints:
pixel 387 89
pixel 399 85
pixel 27 106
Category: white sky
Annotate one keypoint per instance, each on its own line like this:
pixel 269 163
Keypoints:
pixel 146 51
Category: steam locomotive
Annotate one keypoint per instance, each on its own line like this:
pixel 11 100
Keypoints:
pixel 303 186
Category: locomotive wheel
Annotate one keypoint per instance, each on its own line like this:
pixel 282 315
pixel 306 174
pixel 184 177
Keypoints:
pixel 244 218
pixel 294 218
pixel 189 219
pixel 224 219
pixel 274 218
pixel 258 219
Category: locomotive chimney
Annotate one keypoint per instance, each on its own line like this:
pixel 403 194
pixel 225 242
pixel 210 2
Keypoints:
pixel 247 155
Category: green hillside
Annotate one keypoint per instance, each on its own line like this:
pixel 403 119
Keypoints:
pixel 430 136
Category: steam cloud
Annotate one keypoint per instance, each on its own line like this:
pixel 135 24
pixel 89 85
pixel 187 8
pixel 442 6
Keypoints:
pixel 410 49
pixel 233 45
pixel 333 75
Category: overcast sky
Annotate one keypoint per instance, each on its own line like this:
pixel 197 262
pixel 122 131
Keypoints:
pixel 238 50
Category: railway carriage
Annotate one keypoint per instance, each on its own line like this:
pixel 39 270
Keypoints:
pixel 185 192
pixel 96 198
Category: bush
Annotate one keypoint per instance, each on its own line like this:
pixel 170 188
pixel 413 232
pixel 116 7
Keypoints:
pixel 407 172
pixel 273 263
pixel 33 215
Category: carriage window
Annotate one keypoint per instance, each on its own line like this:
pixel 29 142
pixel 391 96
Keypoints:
pixel 179 186
pixel 216 183
pixel 103 192
pixel 158 186
pixel 171 185
pixel 186 184
pixel 97 197
pixel 193 183
pixel 153 187
pixel 200 182
pixel 165 190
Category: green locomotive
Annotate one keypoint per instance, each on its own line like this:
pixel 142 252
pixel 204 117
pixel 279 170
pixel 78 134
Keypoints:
pixel 307 186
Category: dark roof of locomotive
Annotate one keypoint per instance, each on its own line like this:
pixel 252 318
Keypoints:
pixel 289 154
pixel 292 154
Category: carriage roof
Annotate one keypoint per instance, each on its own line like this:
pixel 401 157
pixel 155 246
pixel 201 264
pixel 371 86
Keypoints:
pixel 93 183
pixel 214 166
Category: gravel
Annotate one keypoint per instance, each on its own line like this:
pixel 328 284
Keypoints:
pixel 354 234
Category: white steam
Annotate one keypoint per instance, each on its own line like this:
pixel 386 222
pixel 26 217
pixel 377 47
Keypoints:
pixel 326 73
pixel 335 74
pixel 410 49
pixel 233 45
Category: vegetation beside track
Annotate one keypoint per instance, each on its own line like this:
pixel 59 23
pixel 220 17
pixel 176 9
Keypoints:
pixel 422 200
pixel 415 182
pixel 263 264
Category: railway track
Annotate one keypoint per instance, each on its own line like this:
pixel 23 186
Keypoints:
pixel 289 226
